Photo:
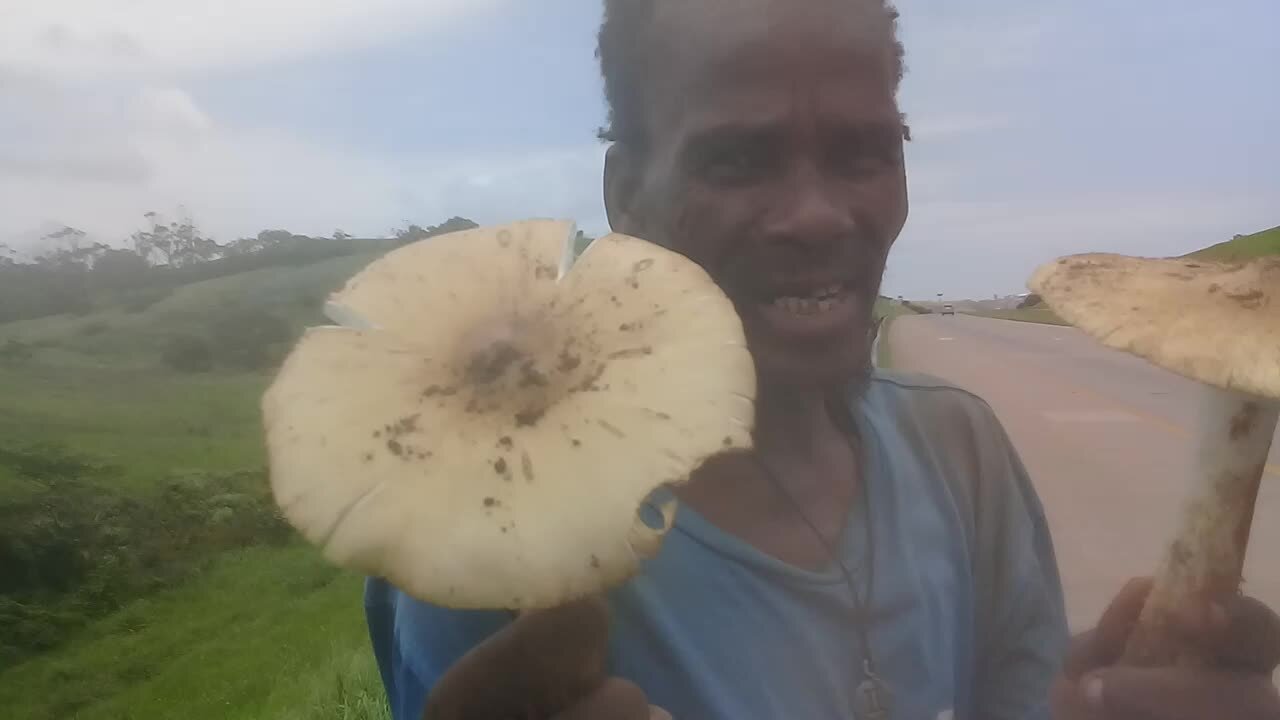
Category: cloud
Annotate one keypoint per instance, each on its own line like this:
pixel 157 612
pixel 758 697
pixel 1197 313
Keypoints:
pixel 92 37
pixel 100 126
pixel 154 148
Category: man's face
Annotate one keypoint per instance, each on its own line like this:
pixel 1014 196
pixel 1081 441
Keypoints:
pixel 775 162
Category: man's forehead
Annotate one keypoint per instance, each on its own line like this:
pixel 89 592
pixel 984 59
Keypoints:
pixel 725 56
pixel 865 21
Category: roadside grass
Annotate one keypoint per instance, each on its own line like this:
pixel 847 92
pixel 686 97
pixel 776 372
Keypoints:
pixel 265 633
pixel 1258 244
pixel 1042 315
pixel 888 310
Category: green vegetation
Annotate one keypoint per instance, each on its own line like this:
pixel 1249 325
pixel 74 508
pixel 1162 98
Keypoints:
pixel 1243 247
pixel 885 311
pixel 1039 314
pixel 144 570
pixel 263 633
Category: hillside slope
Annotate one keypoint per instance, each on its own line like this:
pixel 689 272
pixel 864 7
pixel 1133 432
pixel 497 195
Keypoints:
pixel 1244 247
pixel 289 297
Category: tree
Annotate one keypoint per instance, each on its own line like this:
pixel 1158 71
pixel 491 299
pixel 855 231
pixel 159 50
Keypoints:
pixel 176 244
pixel 115 268
pixel 414 233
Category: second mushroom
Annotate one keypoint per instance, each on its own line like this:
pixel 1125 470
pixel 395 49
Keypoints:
pixel 1219 324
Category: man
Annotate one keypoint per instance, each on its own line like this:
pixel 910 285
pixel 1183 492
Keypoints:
pixel 881 553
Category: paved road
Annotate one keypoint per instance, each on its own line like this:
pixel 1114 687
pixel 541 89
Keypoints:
pixel 1106 436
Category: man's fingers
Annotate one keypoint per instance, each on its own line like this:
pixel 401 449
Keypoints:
pixel 615 699
pixel 1104 644
pixel 1181 694
pixel 1240 633
pixel 541 663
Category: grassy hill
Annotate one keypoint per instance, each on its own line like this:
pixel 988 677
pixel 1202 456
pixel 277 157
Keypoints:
pixel 146 574
pixel 1243 247
pixel 132 336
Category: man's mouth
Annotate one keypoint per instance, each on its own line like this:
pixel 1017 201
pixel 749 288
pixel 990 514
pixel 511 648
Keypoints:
pixel 816 302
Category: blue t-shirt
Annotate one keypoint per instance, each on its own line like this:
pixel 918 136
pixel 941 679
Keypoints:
pixel 967 619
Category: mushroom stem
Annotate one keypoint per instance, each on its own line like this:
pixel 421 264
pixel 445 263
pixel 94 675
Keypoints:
pixel 1205 561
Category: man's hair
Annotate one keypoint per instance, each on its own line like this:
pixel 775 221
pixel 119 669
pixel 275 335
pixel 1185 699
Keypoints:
pixel 624 62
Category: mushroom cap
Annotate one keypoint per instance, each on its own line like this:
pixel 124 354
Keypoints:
pixel 1218 323
pixel 487 424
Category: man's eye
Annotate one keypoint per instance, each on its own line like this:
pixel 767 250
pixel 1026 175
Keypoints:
pixel 862 156
pixel 735 165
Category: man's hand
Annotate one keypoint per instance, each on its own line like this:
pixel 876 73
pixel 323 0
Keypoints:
pixel 1240 634
pixel 546 665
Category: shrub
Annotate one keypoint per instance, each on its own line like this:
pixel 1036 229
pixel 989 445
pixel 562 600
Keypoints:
pixel 94 327
pixel 249 338
pixel 188 353
pixel 15 352
pixel 75 550
pixel 137 301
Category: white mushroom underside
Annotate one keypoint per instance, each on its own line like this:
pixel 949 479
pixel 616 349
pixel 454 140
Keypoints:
pixel 516 484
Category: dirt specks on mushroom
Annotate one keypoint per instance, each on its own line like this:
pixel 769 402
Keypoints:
pixel 490 363
pixel 611 429
pixel 481 368
pixel 1242 423
pixel 526 467
pixel 529 416
pixel 1249 300
pixel 631 353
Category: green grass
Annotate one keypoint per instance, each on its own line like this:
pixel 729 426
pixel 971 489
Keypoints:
pixel 263 632
pixel 889 310
pixel 1042 315
pixel 266 633
pixel 1259 244
pixel 151 424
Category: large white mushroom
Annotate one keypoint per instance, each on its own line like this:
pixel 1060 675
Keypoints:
pixel 490 416
pixel 1219 324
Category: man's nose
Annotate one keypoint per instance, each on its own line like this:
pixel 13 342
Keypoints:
pixel 809 211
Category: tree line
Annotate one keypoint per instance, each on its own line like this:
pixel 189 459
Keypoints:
pixel 70 274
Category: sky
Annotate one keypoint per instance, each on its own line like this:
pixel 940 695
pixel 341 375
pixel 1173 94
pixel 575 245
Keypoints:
pixel 1041 127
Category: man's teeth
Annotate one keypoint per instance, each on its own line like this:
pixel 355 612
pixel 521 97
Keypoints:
pixel 819 302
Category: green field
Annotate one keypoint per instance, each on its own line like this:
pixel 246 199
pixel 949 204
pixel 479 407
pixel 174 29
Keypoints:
pixel 215 614
pixel 222 625
pixel 1039 314
pixel 263 633
pixel 1245 247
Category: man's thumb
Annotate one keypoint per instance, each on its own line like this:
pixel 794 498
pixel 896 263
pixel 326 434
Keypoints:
pixel 540 663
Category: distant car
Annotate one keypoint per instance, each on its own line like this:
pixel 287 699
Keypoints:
pixel 948 309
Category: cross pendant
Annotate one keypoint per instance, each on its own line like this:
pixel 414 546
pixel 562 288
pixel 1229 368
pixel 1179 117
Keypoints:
pixel 873 700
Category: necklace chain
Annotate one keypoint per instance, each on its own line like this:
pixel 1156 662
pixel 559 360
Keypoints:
pixel 872 690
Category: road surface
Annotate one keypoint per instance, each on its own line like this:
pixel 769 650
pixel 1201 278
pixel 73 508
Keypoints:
pixel 1106 436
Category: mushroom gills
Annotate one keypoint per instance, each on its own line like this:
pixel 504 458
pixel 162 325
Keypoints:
pixel 1206 558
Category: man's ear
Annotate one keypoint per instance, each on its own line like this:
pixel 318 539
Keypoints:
pixel 621 188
